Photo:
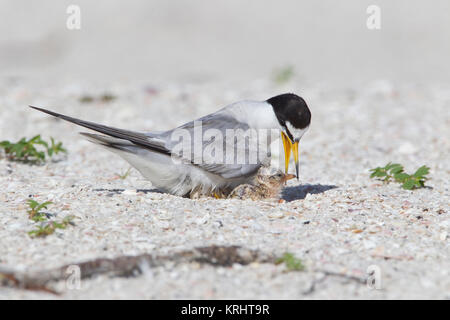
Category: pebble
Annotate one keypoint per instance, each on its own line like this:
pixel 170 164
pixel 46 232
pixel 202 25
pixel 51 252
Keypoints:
pixel 276 214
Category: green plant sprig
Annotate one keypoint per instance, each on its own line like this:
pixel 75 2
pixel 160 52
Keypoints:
pixel 105 97
pixel 292 263
pixel 46 227
pixel 25 150
pixel 34 212
pixel 283 75
pixel 395 172
pixel 49 227
pixel 125 175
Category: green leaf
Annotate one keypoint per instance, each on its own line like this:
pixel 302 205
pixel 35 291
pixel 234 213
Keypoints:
pixel 17 148
pixel 292 263
pixel 409 184
pixel 422 171
pixel 41 142
pixel 401 177
pixel 43 205
pixel 388 166
pixel 396 169
pixel 58 225
pixel 420 183
pixel 39 217
pixel 391 165
pixel 5 144
pixel 378 174
pixel 32 203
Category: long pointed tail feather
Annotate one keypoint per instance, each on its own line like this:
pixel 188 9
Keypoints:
pixel 110 142
pixel 135 137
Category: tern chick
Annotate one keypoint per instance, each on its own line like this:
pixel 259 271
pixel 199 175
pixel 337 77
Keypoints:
pixel 266 186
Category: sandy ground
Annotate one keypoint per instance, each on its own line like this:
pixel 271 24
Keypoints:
pixel 335 218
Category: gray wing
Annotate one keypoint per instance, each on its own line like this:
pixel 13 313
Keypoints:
pixel 231 149
pixel 230 165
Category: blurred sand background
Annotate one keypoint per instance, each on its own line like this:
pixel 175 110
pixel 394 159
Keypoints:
pixel 187 41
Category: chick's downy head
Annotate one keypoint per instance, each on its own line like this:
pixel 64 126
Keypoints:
pixel 275 179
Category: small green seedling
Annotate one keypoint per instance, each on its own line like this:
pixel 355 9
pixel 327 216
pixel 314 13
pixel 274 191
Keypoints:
pixel 124 175
pixel 55 148
pixel 46 227
pixel 283 75
pixel 86 99
pixel 292 263
pixel 34 212
pixel 106 97
pixel 26 150
pixel 395 171
pixel 49 227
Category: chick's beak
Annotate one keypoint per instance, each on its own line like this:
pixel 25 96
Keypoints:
pixel 289 177
pixel 288 145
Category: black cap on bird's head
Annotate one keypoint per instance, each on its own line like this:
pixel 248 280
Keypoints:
pixel 294 118
pixel 292 113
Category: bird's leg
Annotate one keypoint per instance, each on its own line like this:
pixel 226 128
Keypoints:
pixel 221 193
pixel 218 194
pixel 198 192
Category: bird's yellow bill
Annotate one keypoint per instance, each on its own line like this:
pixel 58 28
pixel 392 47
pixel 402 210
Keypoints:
pixel 287 151
pixel 295 151
pixel 288 146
